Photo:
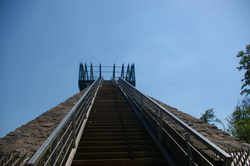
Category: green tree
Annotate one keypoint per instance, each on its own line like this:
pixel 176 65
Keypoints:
pixel 239 121
pixel 245 65
pixel 209 117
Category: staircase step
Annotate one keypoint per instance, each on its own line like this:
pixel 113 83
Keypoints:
pixel 113 130
pixel 115 138
pixel 95 125
pixel 122 162
pixel 123 120
pixel 117 155
pixel 114 143
pixel 114 135
pixel 116 148
pixel 111 125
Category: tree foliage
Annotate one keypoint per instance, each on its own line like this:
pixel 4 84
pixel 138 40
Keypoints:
pixel 209 117
pixel 239 121
pixel 245 65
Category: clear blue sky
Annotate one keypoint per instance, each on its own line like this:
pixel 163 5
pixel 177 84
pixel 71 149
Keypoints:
pixel 184 51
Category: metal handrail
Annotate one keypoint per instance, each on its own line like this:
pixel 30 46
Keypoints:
pixel 56 149
pixel 158 121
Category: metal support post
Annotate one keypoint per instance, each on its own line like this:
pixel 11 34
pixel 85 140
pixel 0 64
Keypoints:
pixel 74 131
pixel 100 71
pixel 114 71
pixel 54 156
pixel 189 150
pixel 122 72
pixel 86 72
pixel 159 115
pixel 141 104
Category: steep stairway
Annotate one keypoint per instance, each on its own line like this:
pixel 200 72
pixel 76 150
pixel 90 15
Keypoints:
pixel 114 134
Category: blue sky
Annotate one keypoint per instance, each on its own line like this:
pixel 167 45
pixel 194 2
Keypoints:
pixel 184 51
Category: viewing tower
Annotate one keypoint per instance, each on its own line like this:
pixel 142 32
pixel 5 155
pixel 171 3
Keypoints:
pixel 109 122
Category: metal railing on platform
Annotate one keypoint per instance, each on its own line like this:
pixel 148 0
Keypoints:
pixel 178 142
pixel 57 148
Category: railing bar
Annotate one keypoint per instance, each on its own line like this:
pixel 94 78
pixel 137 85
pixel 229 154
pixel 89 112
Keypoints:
pixel 149 121
pixel 74 130
pixel 62 149
pixel 150 116
pixel 204 158
pixel 132 94
pixel 80 117
pixel 46 145
pixel 58 143
pixel 202 138
pixel 65 131
pixel 48 159
pixel 79 109
pixel 165 154
pixel 169 135
pixel 83 113
pixel 81 120
pixel 63 159
pixel 151 112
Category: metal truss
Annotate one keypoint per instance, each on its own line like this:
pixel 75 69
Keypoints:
pixel 86 78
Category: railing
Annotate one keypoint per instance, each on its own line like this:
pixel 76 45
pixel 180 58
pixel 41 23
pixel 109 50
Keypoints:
pixel 13 158
pixel 179 143
pixel 57 148
pixel 240 157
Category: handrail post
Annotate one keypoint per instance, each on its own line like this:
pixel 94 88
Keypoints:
pixel 189 150
pixel 74 130
pixel 141 105
pixel 160 128
pixel 227 161
pixel 54 156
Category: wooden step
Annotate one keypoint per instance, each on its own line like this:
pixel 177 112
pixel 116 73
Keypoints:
pixel 116 138
pixel 122 162
pixel 118 155
pixel 135 148
pixel 115 143
pixel 114 135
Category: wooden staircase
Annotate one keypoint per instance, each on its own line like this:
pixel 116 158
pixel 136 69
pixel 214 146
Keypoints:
pixel 114 135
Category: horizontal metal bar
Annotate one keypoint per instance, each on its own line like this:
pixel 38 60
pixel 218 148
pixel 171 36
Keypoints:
pixel 41 151
pixel 107 71
pixel 197 135
pixel 108 66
